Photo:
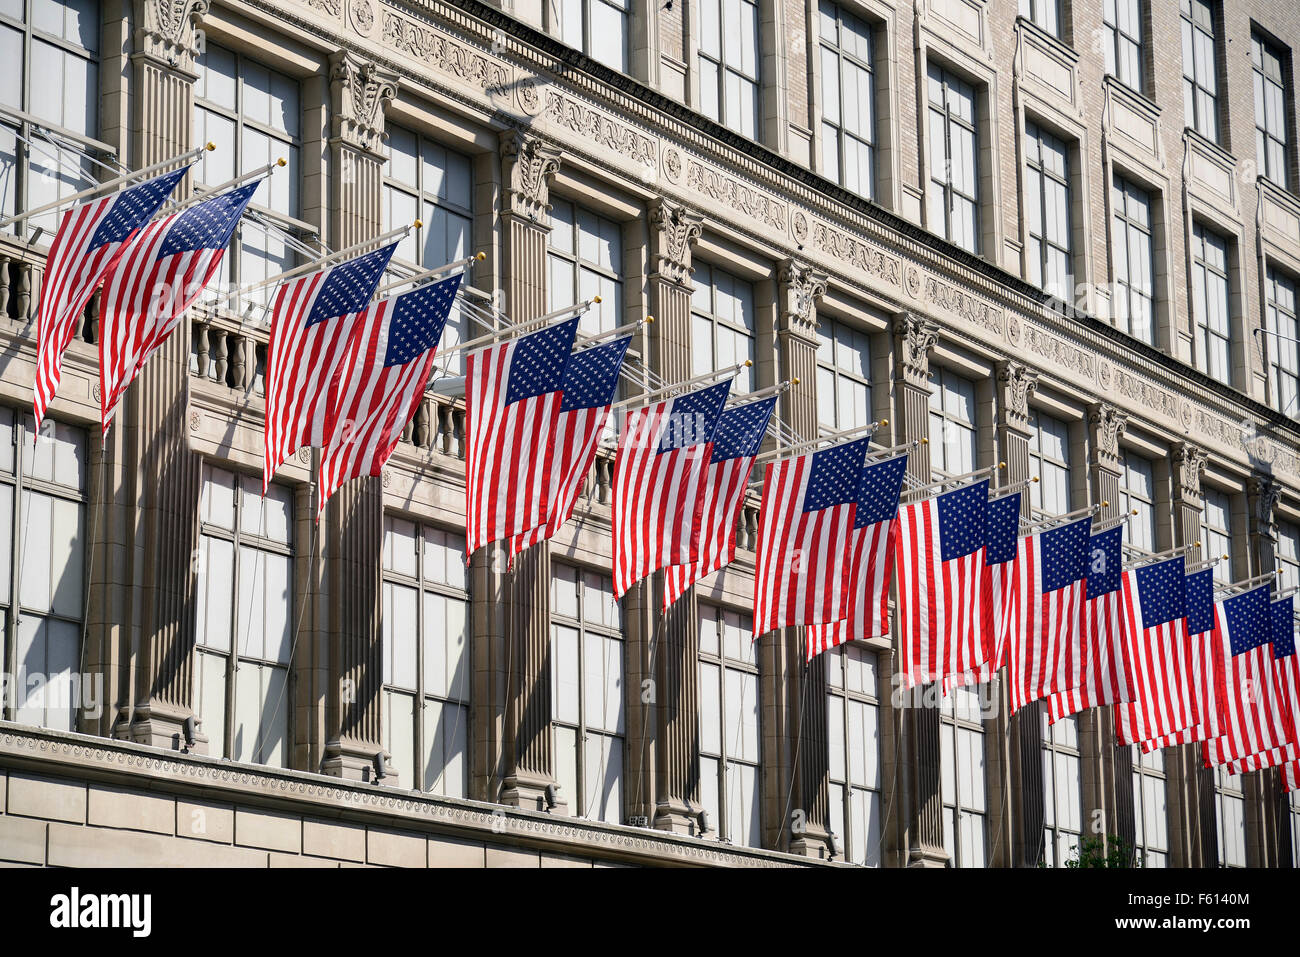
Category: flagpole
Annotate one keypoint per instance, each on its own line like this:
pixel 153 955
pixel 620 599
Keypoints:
pixel 615 333
pixel 235 181
pixel 519 327
pixel 956 478
pixel 749 397
pixel 1167 553
pixel 1248 582
pixel 1206 563
pixel 791 451
pixel 1069 516
pixel 649 398
pixel 1108 523
pixel 1013 488
pixel 431 273
pixel 110 184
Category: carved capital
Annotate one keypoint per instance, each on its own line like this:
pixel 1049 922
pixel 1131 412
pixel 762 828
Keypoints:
pixel 361 92
pixel 1015 383
pixel 916 336
pixel 674 231
pixel 528 165
pixel 165 29
pixel 1189 463
pixel 800 288
pixel 1107 424
pixel 1265 494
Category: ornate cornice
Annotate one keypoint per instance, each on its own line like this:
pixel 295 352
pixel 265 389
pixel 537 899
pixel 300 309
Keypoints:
pixel 1015 383
pixel 528 165
pixel 1107 424
pixel 674 230
pixel 801 288
pixel 165 30
pixel 916 335
pixel 361 93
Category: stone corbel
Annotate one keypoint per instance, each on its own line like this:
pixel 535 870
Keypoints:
pixel 1264 493
pixel 917 337
pixel 1189 464
pixel 1015 383
pixel 167 30
pixel 361 92
pixel 528 165
pixel 674 231
pixel 800 288
pixel 1107 425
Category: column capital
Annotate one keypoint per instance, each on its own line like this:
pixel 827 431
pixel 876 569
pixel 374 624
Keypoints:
pixel 674 231
pixel 1015 383
pixel 1189 461
pixel 1107 424
pixel 528 165
pixel 917 336
pixel 800 288
pixel 165 30
pixel 360 93
pixel 1265 492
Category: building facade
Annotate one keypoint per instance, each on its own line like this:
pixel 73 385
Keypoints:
pixel 1046 234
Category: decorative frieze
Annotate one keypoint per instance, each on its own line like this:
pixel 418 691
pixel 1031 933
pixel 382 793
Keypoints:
pixel 601 129
pixel 731 192
pixel 869 259
pixel 1060 352
pixel 964 305
pixel 452 58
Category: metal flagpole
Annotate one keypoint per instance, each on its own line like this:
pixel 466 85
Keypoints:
pixel 956 478
pixel 109 185
pixel 234 181
pixel 1202 565
pixel 1108 523
pixel 1014 487
pixel 649 398
pixel 748 397
pixel 492 337
pixel 792 450
pixel 1157 556
pixel 1068 516
pixel 430 273
pixel 1249 582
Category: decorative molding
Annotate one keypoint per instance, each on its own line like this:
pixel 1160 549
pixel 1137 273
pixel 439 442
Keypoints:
pixel 1267 493
pixel 1107 424
pixel 855 252
pixel 1015 382
pixel 166 30
pixel 528 165
pixel 593 125
pixel 963 304
pixel 452 58
pixel 1190 461
pixel 731 192
pixel 916 336
pixel 361 93
pixel 1057 350
pixel 674 231
pixel 801 288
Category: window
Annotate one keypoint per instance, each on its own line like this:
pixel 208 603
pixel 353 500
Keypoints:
pixel 1150 808
pixel 426 664
pixel 722 324
pixel 584 259
pixel 1122 22
pixel 853 728
pixel 1272 144
pixel 1287 555
pixel 1047 209
pixel 1200 72
pixel 587 692
pixel 1210 298
pixel 596 27
pixel 729 726
pixel 961 763
pixel 954 159
pixel 1062 790
pixel 1284 346
pixel 1133 299
pixel 428 182
pixel 952 424
pixel 1138 492
pixel 43 563
pixel 843 375
pixel 1049 459
pixel 1230 805
pixel 243 617
pixel 1216 523
pixel 52 49
pixel 729 64
pixel 254 114
pixel 1043 13
pixel 848 100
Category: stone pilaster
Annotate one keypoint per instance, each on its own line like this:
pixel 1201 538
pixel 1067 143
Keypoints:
pixel 914 337
pixel 352 528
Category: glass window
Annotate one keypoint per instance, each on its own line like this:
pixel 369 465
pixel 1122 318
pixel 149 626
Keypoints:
pixel 1200 73
pixel 1043 13
pixel 853 731
pixel 42 523
pixel 1047 209
pixel 1216 522
pixel 587 703
pixel 1122 23
pixel 433 184
pixel 1230 805
pixel 244 617
pixel 1138 491
pixel 1150 808
pixel 52 49
pixel 843 375
pixel 599 28
pixel 954 159
pixel 1284 346
pixel 1049 459
pixel 426 656
pixel 253 113
pixel 952 423
pixel 584 259
pixel 1062 790
pixel 962 779
pixel 848 100
pixel 1133 260
pixel 1272 104
pixel 730 757
pixel 1287 555
pixel 1211 302
pixel 729 64
pixel 722 325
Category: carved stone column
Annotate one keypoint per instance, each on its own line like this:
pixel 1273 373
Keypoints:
pixel 674 647
pixel 1107 770
pixel 914 338
pixel 148 568
pixel 352 528
pixel 528 739
pixel 798 688
pixel 1023 732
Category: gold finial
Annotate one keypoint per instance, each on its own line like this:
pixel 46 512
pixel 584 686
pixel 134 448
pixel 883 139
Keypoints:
pixel 210 146
pixel 281 162
pixel 649 320
pixel 748 363
pixel 1002 465
pixel 1035 479
pixel 595 299
pixel 884 423
pixel 925 441
pixel 417 224
pixel 794 381
pixel 1105 503
pixel 1196 544
pixel 479 257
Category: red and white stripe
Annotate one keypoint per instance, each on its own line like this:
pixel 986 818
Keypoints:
pixel 721 498
pixel 1252 707
pixel 1160 662
pixel 1103 677
pixel 1287 675
pixel 873 570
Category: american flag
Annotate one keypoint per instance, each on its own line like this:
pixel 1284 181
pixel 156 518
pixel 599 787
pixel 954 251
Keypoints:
pixel 513 393
pixel 663 454
pixel 1207 662
pixel 735 445
pixel 90 237
pixel 805 533
pixel 941 599
pixel 381 381
pixel 589 386
pixel 872 562
pixel 1252 710
pixel 1002 533
pixel 1047 618
pixel 1103 678
pixel 1157 654
pixel 157 276
pixel 1287 670
pixel 312 318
